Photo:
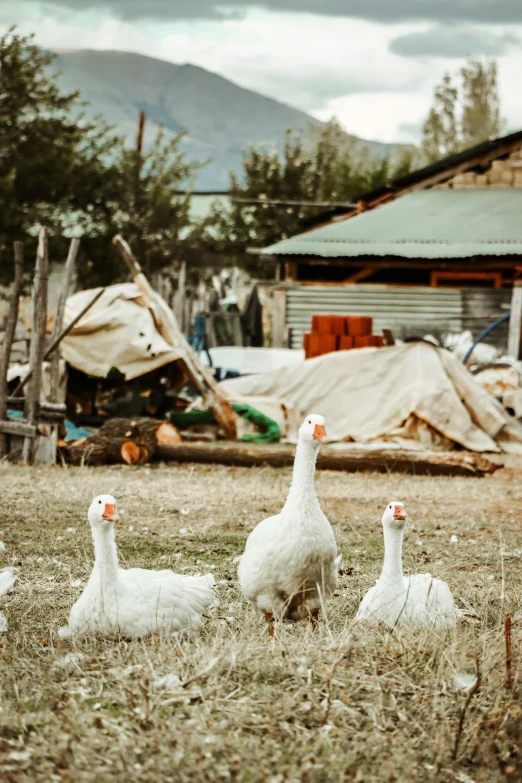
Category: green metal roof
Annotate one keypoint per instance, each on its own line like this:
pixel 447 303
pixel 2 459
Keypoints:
pixel 436 223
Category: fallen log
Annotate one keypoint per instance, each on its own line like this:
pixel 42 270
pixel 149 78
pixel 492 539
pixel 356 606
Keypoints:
pixel 352 461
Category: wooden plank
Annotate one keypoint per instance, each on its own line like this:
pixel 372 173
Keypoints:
pixel 36 352
pixel 168 327
pixel 515 320
pixel 493 277
pixel 351 461
pixel 10 328
pixel 16 427
pixel 279 319
pixel 60 311
pixel 362 274
pixel 179 298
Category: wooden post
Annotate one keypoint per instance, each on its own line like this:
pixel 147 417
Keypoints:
pixel 10 329
pixel 179 298
pixel 39 323
pixel 168 327
pixel 60 310
pixel 279 319
pixel 515 320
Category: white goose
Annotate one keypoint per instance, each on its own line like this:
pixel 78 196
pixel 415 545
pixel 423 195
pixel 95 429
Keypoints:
pixel 137 601
pixel 7 579
pixel 290 563
pixel 418 600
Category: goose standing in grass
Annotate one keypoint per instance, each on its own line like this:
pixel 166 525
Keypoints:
pixel 137 601
pixel 418 600
pixel 7 580
pixel 290 563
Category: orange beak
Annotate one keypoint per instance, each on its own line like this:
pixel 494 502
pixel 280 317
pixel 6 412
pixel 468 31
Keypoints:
pixel 109 513
pixel 399 512
pixel 319 432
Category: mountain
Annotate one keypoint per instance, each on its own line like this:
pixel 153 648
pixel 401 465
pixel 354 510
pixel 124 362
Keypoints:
pixel 219 116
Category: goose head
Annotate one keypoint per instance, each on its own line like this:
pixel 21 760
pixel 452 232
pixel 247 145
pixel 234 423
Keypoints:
pixel 312 429
pixel 394 516
pixel 103 511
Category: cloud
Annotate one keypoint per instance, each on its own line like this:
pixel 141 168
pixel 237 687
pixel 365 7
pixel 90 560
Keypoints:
pixel 384 116
pixel 487 11
pixel 453 42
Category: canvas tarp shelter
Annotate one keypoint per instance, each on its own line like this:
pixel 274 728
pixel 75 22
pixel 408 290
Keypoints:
pixel 415 392
pixel 118 331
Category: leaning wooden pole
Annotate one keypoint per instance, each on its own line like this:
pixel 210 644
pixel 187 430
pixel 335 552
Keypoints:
pixel 168 327
pixel 36 351
pixel 515 320
pixel 10 328
pixel 60 311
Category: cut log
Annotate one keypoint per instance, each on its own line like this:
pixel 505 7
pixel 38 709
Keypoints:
pixel 131 453
pixel 415 463
pixel 167 434
pixel 129 441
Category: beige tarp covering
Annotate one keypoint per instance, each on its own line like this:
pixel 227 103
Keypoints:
pixel 415 391
pixel 118 331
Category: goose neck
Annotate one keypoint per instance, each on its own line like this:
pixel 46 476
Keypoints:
pixel 392 568
pixel 105 555
pixel 302 488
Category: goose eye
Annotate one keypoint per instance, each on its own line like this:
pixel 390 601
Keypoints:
pixel 99 501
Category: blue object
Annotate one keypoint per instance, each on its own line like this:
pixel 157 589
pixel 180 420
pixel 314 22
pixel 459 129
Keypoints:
pixel 485 333
pixel 198 338
pixel 72 432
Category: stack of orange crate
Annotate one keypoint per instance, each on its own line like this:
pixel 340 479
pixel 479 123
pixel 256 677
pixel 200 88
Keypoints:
pixel 340 333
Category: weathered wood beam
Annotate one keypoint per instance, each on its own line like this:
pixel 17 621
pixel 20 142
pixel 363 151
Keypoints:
pixel 10 328
pixel 448 464
pixel 36 352
pixel 515 320
pixel 362 274
pixel 15 427
pixel 60 311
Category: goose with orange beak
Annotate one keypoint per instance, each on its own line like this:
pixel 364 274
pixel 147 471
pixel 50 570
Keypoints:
pixel 137 601
pixel 395 600
pixel 290 564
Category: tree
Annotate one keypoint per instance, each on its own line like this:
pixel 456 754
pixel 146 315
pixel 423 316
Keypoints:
pixel 52 161
pixel 149 204
pixel 464 113
pixel 325 165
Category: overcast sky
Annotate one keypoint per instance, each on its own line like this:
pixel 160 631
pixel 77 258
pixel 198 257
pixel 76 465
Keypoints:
pixel 371 63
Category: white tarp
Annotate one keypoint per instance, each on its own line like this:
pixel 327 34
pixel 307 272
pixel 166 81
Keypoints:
pixel 412 392
pixel 249 361
pixel 118 331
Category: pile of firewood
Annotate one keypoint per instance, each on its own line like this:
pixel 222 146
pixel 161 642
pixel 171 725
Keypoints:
pixel 129 441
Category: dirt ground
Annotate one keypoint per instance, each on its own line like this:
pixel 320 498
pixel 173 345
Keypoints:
pixel 342 703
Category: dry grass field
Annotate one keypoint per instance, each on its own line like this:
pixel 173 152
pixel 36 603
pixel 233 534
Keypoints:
pixel 339 704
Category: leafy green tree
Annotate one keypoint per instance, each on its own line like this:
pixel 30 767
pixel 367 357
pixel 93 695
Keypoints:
pixel 144 204
pixel 325 166
pixel 465 111
pixel 52 162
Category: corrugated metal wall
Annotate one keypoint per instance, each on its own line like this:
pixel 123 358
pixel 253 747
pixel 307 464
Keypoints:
pixel 408 312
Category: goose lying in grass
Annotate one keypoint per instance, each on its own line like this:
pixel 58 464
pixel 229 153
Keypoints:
pixel 418 600
pixel 290 563
pixel 7 580
pixel 137 601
